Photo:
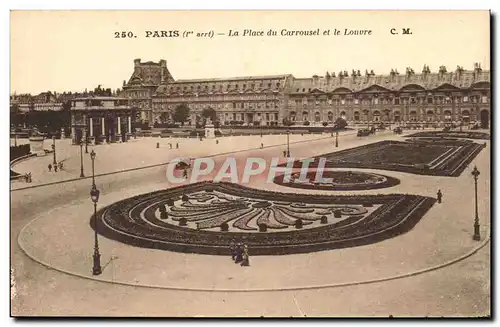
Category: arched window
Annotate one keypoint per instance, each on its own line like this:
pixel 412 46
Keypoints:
pixel 465 116
pixel 376 115
pixel 356 116
pixel 447 115
pixel 430 115
pixel 317 117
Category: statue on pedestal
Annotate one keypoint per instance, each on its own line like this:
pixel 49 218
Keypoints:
pixel 209 129
pixel 208 122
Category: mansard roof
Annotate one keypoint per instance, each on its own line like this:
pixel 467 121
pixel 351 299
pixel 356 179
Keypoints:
pixel 230 79
pixel 171 87
pixel 393 82
pixel 149 74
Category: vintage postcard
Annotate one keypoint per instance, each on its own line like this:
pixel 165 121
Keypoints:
pixel 250 163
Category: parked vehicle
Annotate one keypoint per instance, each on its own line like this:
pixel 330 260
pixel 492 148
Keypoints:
pixel 398 130
pixel 364 132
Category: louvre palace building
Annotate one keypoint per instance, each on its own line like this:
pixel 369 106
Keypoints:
pixel 441 96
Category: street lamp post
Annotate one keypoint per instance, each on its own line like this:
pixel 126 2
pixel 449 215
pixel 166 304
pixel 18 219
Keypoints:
pixel 81 159
pixel 86 142
pixel 54 150
pixel 260 125
pixel 288 143
pixel 94 195
pixel 92 156
pixel 477 235
pixel 336 139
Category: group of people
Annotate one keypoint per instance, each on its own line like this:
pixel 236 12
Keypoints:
pixel 239 253
pixel 27 178
pixel 56 166
pixel 176 145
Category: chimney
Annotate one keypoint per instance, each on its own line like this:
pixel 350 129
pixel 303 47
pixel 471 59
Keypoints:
pixel 163 68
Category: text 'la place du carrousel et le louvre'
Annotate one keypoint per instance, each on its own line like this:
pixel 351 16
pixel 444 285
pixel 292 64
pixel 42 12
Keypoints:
pixel 270 32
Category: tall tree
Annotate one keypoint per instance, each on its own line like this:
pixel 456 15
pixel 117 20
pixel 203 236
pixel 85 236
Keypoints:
pixel 163 117
pixel 340 123
pixel 181 113
pixel 209 113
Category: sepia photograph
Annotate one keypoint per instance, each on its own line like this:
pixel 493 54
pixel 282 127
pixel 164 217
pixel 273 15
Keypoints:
pixel 250 164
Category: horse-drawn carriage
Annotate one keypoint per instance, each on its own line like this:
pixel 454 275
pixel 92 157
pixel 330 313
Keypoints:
pixel 183 163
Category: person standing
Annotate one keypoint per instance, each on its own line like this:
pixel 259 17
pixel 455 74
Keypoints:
pixel 50 167
pixel 55 168
pixel 239 253
pixel 245 257
pixel 232 248
pixel 177 145
pixel 439 196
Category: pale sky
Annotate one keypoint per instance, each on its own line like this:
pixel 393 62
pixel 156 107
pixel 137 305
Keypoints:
pixel 73 50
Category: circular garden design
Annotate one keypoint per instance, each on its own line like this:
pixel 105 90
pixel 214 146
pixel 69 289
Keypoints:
pixel 205 217
pixel 337 180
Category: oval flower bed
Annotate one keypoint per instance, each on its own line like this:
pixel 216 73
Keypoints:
pixel 288 229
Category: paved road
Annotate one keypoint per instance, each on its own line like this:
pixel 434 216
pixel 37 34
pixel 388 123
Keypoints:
pixel 41 291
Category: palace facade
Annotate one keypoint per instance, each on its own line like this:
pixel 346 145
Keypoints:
pixel 443 96
pixel 394 98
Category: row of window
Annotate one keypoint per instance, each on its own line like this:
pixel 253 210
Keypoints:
pixel 137 94
pixel 227 105
pixel 378 113
pixel 221 87
pixel 227 97
pixel 240 116
pixel 395 101
pixel 396 117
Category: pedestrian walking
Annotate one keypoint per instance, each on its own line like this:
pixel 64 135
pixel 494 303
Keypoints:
pixel 239 253
pixel 439 196
pixel 50 167
pixel 185 173
pixel 284 153
pixel 26 177
pixel 60 165
pixel 245 257
pixel 29 178
pixel 216 141
pixel 55 168
pixel 232 248
pixel 262 145
pixel 177 145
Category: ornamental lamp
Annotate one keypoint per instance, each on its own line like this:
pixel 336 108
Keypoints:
pixel 94 194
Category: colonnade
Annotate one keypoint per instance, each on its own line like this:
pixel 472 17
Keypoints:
pixel 110 132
